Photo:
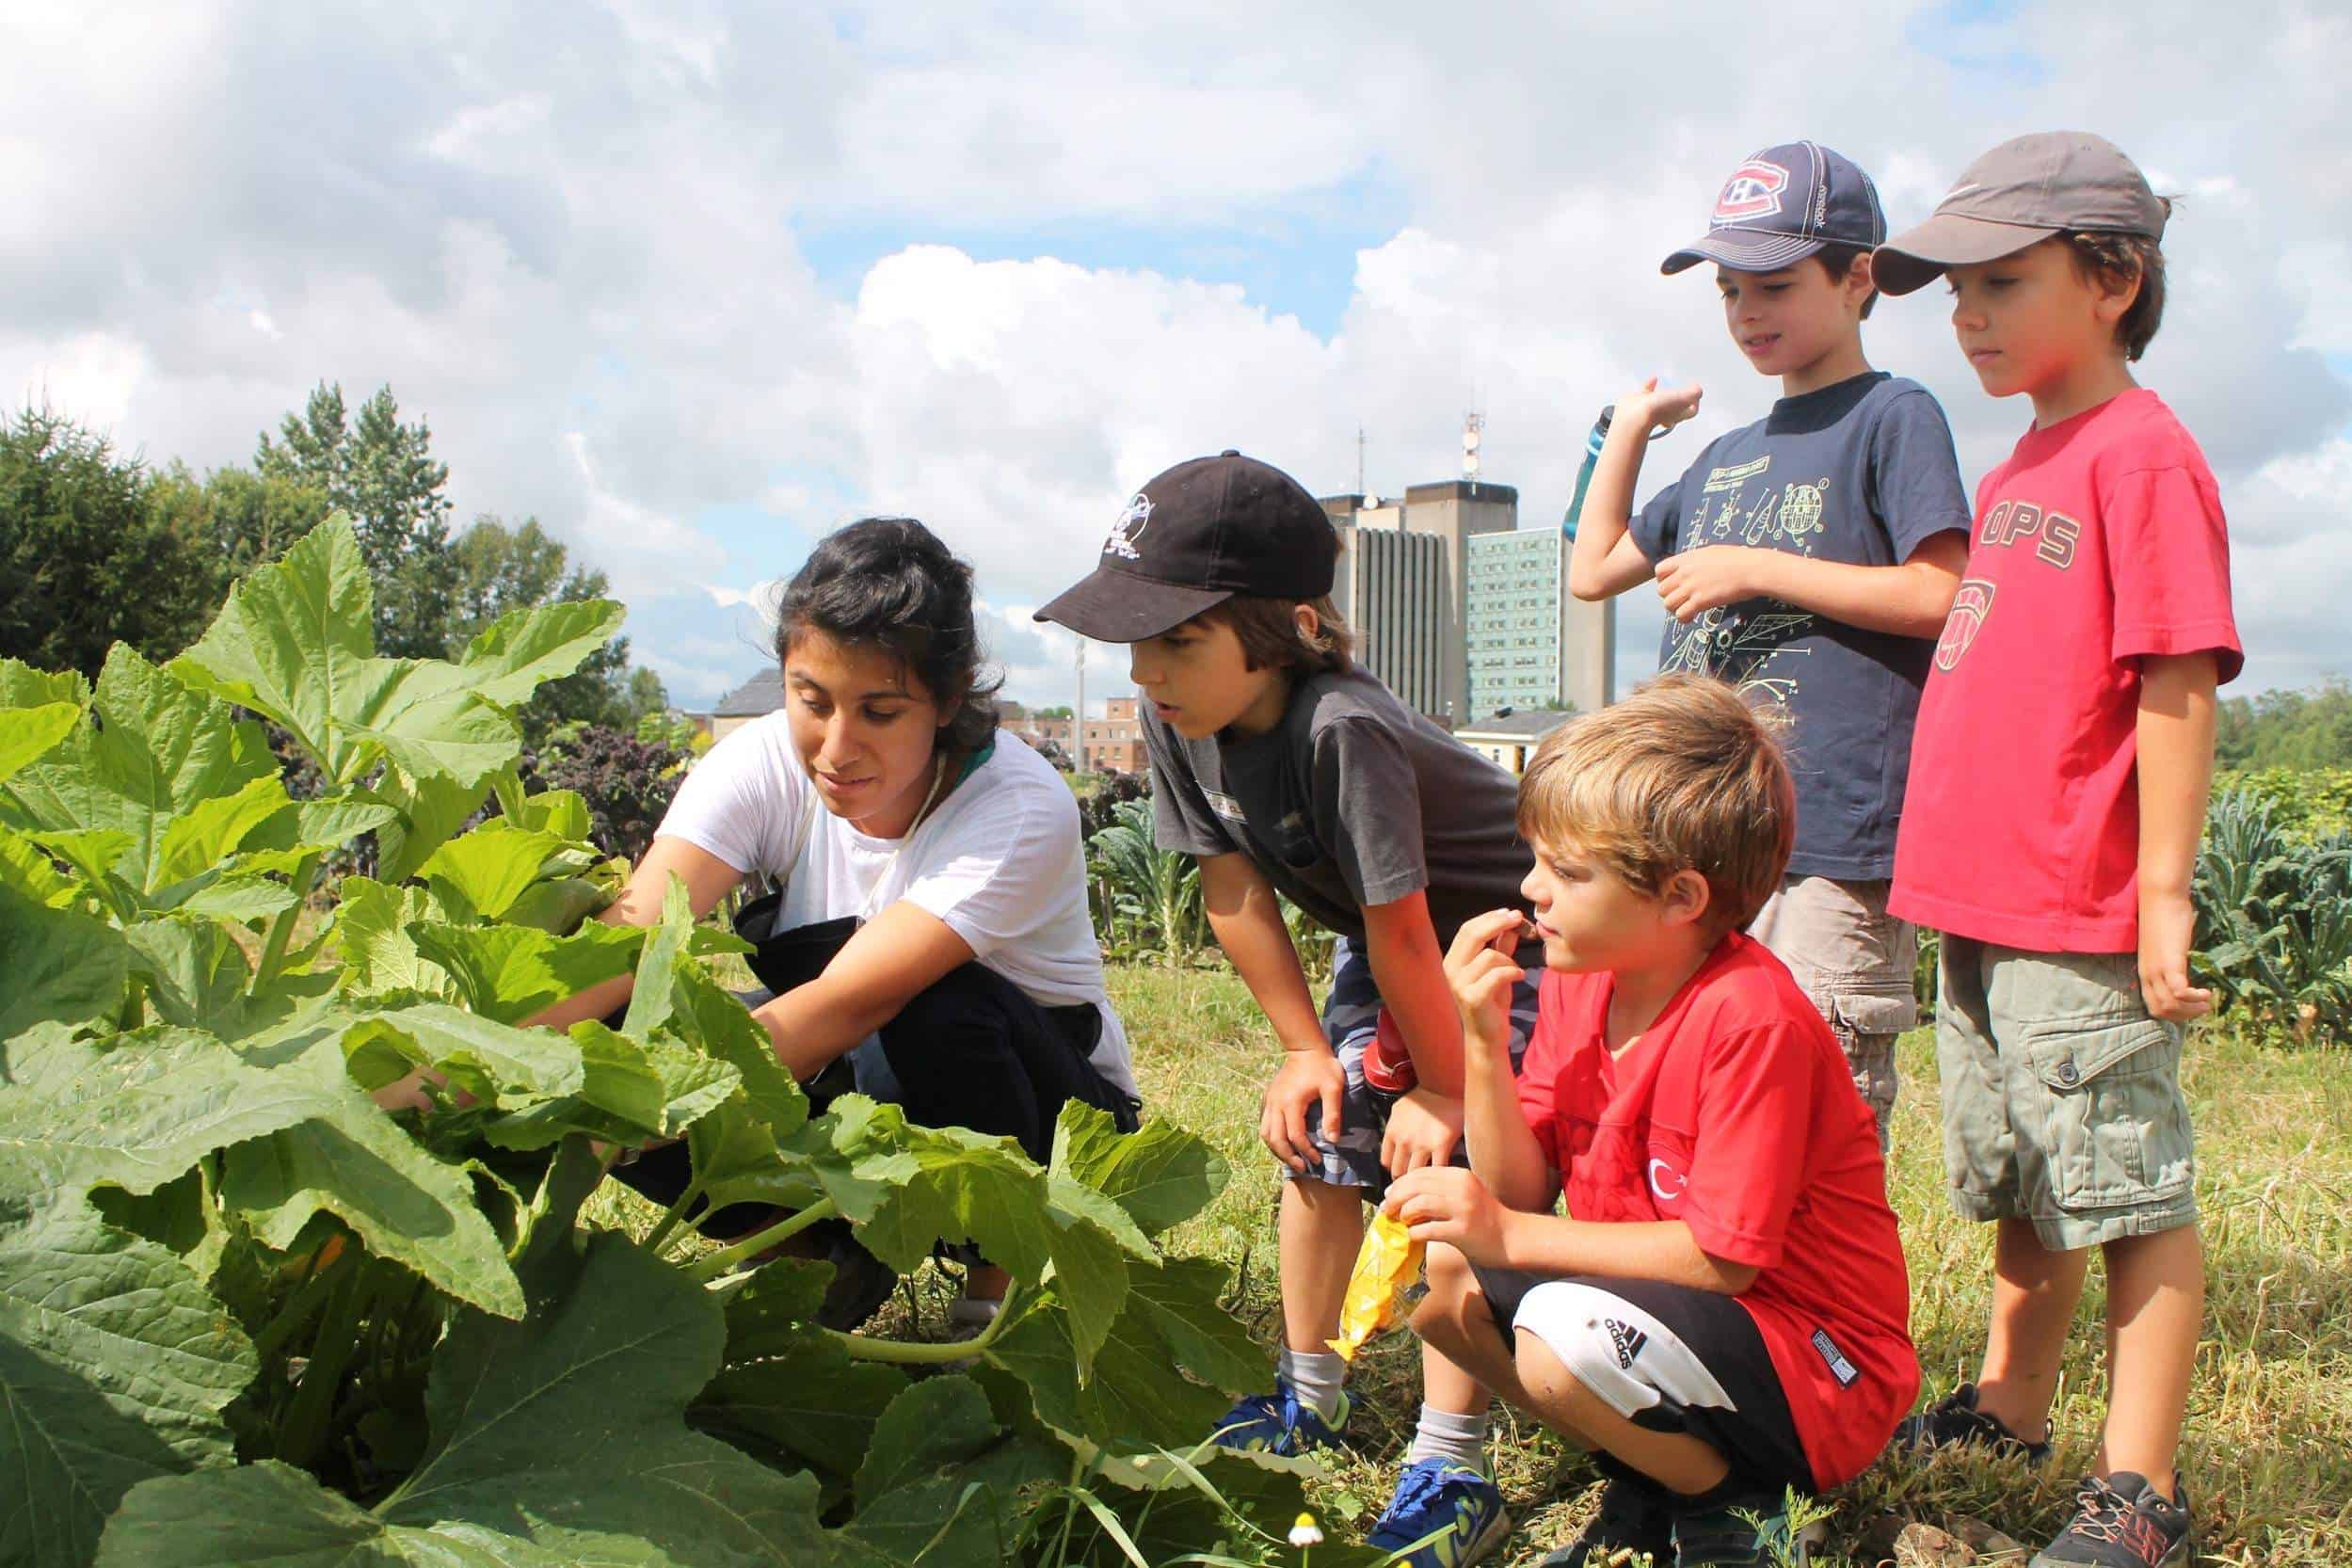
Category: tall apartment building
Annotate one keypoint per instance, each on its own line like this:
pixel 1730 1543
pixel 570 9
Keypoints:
pixel 1529 642
pixel 1460 611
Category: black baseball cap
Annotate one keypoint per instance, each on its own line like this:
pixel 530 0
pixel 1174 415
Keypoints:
pixel 2020 194
pixel 1781 205
pixel 1193 537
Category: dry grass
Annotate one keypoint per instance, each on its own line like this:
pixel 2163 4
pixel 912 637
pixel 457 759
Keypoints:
pixel 2269 1450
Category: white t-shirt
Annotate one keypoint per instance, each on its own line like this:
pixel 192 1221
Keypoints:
pixel 998 860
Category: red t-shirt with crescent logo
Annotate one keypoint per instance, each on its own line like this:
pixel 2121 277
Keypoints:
pixel 2099 543
pixel 1735 1114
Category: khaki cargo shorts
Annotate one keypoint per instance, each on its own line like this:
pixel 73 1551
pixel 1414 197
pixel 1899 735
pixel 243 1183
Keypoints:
pixel 2062 1099
pixel 1855 960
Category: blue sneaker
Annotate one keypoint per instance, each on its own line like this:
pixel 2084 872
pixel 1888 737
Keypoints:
pixel 1277 1423
pixel 1444 1515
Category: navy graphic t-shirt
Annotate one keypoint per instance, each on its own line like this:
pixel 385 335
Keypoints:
pixel 1861 473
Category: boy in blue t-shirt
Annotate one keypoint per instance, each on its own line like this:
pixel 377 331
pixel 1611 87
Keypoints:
pixel 1810 556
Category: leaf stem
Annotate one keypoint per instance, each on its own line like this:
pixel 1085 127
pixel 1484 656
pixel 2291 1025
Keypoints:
pixel 677 1212
pixel 304 1430
pixel 711 1265
pixel 282 929
pixel 899 1353
pixel 316 1285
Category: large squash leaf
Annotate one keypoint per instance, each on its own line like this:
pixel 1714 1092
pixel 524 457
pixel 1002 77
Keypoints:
pixel 58 964
pixel 26 732
pixel 115 1364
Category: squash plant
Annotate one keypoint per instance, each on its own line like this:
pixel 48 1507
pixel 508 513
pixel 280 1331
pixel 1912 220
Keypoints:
pixel 247 1317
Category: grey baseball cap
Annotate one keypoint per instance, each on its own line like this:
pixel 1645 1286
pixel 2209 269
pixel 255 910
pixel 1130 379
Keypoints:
pixel 2020 194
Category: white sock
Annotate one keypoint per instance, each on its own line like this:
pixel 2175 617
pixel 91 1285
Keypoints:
pixel 1315 1376
pixel 1444 1434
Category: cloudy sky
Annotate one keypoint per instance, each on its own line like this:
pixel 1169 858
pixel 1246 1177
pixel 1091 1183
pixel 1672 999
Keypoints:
pixel 694 284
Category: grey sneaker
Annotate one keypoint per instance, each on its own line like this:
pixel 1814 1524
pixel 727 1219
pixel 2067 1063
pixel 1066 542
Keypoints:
pixel 2120 1522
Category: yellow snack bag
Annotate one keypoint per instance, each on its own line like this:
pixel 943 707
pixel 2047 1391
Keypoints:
pixel 1387 1266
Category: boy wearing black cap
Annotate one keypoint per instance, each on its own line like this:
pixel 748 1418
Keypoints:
pixel 1283 767
pixel 1809 557
pixel 2057 794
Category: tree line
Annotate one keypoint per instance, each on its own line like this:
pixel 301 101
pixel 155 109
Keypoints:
pixel 98 547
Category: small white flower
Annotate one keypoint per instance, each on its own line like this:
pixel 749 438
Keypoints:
pixel 1306 1533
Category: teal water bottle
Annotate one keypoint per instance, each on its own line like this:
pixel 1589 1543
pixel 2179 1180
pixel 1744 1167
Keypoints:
pixel 1584 474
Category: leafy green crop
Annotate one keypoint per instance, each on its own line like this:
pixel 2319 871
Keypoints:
pixel 2274 920
pixel 246 1316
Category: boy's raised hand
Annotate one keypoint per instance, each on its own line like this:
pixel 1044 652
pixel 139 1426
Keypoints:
pixel 1481 967
pixel 2167 926
pixel 1307 1076
pixel 1660 411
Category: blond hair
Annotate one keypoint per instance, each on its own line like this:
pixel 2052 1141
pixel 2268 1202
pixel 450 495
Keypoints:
pixel 1681 775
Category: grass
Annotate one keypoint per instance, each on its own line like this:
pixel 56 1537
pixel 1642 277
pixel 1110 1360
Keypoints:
pixel 2268 1455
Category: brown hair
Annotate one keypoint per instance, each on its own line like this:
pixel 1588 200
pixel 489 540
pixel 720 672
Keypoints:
pixel 1838 262
pixel 2116 259
pixel 1268 630
pixel 1681 775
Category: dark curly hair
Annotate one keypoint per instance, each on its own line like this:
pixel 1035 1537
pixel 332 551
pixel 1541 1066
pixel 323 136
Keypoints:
pixel 888 583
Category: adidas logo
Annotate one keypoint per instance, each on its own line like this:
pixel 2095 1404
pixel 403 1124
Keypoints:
pixel 1627 1340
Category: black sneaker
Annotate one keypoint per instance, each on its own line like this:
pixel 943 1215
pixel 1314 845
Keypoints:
pixel 1635 1519
pixel 1743 1532
pixel 1955 1422
pixel 2120 1522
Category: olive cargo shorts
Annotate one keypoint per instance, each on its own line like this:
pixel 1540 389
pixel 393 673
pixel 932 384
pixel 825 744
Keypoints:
pixel 2062 1099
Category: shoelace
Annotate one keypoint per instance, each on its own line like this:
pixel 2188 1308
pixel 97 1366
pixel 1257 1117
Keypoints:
pixel 1419 1486
pixel 2100 1511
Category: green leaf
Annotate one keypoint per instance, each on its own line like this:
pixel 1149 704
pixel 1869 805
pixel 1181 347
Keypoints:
pixel 26 732
pixel 136 1114
pixel 511 972
pixel 115 1365
pixel 59 966
pixel 562 812
pixel 373 930
pixel 429 809
pixel 558 905
pixel 1159 1174
pixel 326 825
pixel 490 867
pixel 274 1514
pixel 503 1067
pixel 941 1483
pixel 210 830
pixel 27 869
pixel 791 1385
pixel 160 752
pixel 196 976
pixel 350 1159
pixel 91 853
pixel 22 686
pixel 240 898
pixel 520 650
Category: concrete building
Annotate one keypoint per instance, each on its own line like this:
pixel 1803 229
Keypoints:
pixel 1114 743
pixel 1529 642
pixel 1460 610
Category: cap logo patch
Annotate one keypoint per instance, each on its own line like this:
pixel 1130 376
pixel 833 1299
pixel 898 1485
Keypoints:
pixel 1130 527
pixel 1753 191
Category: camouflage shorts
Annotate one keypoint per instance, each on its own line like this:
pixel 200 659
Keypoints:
pixel 1351 1017
pixel 1855 960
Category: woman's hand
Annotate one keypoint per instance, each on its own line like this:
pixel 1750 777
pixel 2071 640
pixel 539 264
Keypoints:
pixel 1307 1075
pixel 1482 968
pixel 1448 1204
pixel 1423 1130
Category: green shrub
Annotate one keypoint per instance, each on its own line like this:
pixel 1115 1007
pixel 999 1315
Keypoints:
pixel 2274 920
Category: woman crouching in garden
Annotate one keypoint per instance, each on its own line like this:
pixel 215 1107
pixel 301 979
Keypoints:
pixel 926 941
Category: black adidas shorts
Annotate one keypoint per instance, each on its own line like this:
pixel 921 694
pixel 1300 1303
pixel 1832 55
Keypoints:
pixel 1667 1357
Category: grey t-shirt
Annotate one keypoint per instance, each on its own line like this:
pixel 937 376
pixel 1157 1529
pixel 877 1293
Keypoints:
pixel 1860 471
pixel 1353 799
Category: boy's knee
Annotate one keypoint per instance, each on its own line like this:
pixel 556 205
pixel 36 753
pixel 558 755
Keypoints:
pixel 1443 1317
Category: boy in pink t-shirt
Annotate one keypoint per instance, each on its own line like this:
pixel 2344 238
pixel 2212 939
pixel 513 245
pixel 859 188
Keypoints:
pixel 2056 795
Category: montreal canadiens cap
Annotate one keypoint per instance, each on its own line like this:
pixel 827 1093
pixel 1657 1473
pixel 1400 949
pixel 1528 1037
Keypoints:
pixel 1193 537
pixel 1781 205
pixel 2019 194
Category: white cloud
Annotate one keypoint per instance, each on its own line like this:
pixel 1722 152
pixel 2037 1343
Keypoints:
pixel 581 263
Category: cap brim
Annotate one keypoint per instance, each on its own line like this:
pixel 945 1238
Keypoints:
pixel 1913 259
pixel 1119 607
pixel 1743 251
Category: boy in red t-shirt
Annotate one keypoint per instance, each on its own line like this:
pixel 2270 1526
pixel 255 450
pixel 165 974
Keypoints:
pixel 2057 792
pixel 1722 1312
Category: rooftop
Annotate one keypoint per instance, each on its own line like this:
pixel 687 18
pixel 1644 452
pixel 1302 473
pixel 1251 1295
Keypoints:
pixel 1518 723
pixel 762 694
